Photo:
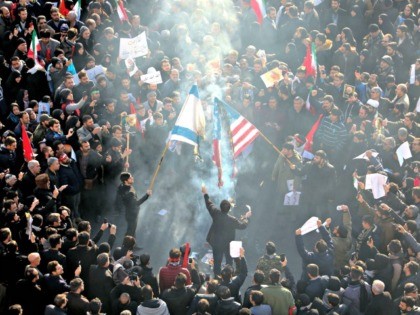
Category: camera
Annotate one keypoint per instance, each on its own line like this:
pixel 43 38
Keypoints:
pixel 106 221
pixel 282 257
pixel 133 276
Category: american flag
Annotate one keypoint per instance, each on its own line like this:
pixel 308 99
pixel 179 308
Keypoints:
pixel 242 132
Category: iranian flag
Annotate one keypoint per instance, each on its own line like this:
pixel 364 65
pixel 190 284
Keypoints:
pixel 77 8
pixel 122 14
pixel 310 60
pixel 259 9
pixel 34 47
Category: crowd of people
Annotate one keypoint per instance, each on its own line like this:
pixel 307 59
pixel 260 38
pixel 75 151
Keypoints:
pixel 75 118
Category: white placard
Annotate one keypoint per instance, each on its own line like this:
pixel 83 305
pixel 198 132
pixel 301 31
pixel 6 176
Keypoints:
pixel 309 226
pixel 403 152
pixel 235 247
pixel 376 182
pixel 133 47
pixel 363 156
pixel 292 198
pixel 152 78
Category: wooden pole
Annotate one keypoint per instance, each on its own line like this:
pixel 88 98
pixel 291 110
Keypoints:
pixel 152 182
pixel 128 147
pixel 275 148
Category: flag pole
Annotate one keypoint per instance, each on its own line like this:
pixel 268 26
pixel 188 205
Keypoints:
pixel 275 148
pixel 152 182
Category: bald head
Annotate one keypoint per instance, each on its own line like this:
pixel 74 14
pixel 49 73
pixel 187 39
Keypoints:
pixel 34 259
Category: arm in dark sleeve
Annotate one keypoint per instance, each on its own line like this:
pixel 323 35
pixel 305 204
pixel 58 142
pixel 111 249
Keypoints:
pixel 142 199
pixel 210 206
pixel 111 240
pixel 397 218
pixel 301 248
pixel 326 237
pixel 243 272
pixel 98 236
pixel 195 279
pixel 412 243
pixel 290 279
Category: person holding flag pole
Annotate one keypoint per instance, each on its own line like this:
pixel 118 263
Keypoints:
pixel 189 127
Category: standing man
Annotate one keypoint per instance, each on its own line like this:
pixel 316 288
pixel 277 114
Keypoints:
pixel 222 230
pixel 127 197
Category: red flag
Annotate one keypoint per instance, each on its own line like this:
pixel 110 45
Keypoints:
pixel 310 61
pixel 186 255
pixel 311 134
pixel 122 13
pixel 26 144
pixel 62 8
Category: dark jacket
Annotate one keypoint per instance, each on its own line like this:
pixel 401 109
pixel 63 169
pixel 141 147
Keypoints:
pixel 382 304
pixel 227 307
pixel 70 175
pixel 54 285
pixel 126 196
pixel 178 300
pixel 235 283
pixel 222 230
pixel 211 298
pixel 77 304
pixel 101 285
pixel 325 260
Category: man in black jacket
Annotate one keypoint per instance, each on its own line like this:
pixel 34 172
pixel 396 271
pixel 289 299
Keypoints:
pixel 222 230
pixel 127 197
pixel 102 283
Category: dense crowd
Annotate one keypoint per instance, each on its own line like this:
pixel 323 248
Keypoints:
pixel 75 117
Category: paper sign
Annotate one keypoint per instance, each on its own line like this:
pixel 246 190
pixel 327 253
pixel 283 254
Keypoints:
pixel 376 182
pixel 292 198
pixel 290 183
pixel 310 225
pixel 272 77
pixel 403 152
pixel 152 78
pixel 363 156
pixel 133 47
pixel 308 155
pixel 131 66
pixel 235 246
pixel 163 212
pixel 43 108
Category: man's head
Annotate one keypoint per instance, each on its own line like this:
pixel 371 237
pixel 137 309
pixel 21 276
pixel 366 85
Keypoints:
pixel 54 268
pixel 256 297
pixel 34 167
pixel 378 287
pixel 275 276
pixel 270 248
pixel 126 178
pixel 225 206
pixel 411 268
pixel 312 271
pixel 180 280
pixel 77 285
pixel 320 158
pixel 407 303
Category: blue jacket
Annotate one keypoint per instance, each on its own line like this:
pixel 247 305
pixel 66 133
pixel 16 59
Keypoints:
pixel 325 260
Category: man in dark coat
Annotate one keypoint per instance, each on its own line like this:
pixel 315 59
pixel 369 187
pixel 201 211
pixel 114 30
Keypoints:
pixel 69 175
pixel 381 301
pixel 102 283
pixel 127 197
pixel 322 256
pixel 222 230
pixel 179 297
pixel 77 304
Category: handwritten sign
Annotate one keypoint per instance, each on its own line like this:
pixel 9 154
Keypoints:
pixel 152 77
pixel 133 47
